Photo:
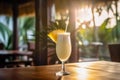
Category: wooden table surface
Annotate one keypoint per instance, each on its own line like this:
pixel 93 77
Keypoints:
pixel 99 70
pixel 15 52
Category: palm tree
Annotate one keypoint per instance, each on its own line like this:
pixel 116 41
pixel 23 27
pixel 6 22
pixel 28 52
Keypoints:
pixel 26 25
pixel 6 34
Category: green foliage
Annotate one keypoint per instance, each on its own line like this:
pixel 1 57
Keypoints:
pixel 85 35
pixel 105 35
pixel 58 24
pixel 26 24
pixel 116 32
pixel 5 35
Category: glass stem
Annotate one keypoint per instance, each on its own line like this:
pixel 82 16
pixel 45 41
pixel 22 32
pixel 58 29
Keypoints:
pixel 63 66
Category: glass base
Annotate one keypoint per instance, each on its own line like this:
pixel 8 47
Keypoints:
pixel 61 73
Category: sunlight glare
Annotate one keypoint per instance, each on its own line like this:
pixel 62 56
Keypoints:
pixel 100 19
pixel 83 72
pixel 84 26
pixel 84 14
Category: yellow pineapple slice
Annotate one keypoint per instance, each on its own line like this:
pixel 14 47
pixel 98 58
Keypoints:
pixel 53 35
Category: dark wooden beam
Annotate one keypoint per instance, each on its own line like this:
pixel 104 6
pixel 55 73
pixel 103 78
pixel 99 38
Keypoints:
pixel 19 2
pixel 40 55
pixel 15 27
pixel 72 15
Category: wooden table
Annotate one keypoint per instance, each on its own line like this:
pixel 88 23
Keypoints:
pixel 10 57
pixel 99 70
pixel 14 52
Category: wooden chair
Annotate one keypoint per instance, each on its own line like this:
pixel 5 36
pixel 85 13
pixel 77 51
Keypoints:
pixel 114 50
pixel 9 61
pixel 31 47
pixel 20 61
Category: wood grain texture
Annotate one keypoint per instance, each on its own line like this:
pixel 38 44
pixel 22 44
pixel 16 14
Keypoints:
pixel 100 70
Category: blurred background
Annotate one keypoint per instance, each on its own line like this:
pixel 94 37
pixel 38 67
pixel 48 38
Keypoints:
pixel 97 24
